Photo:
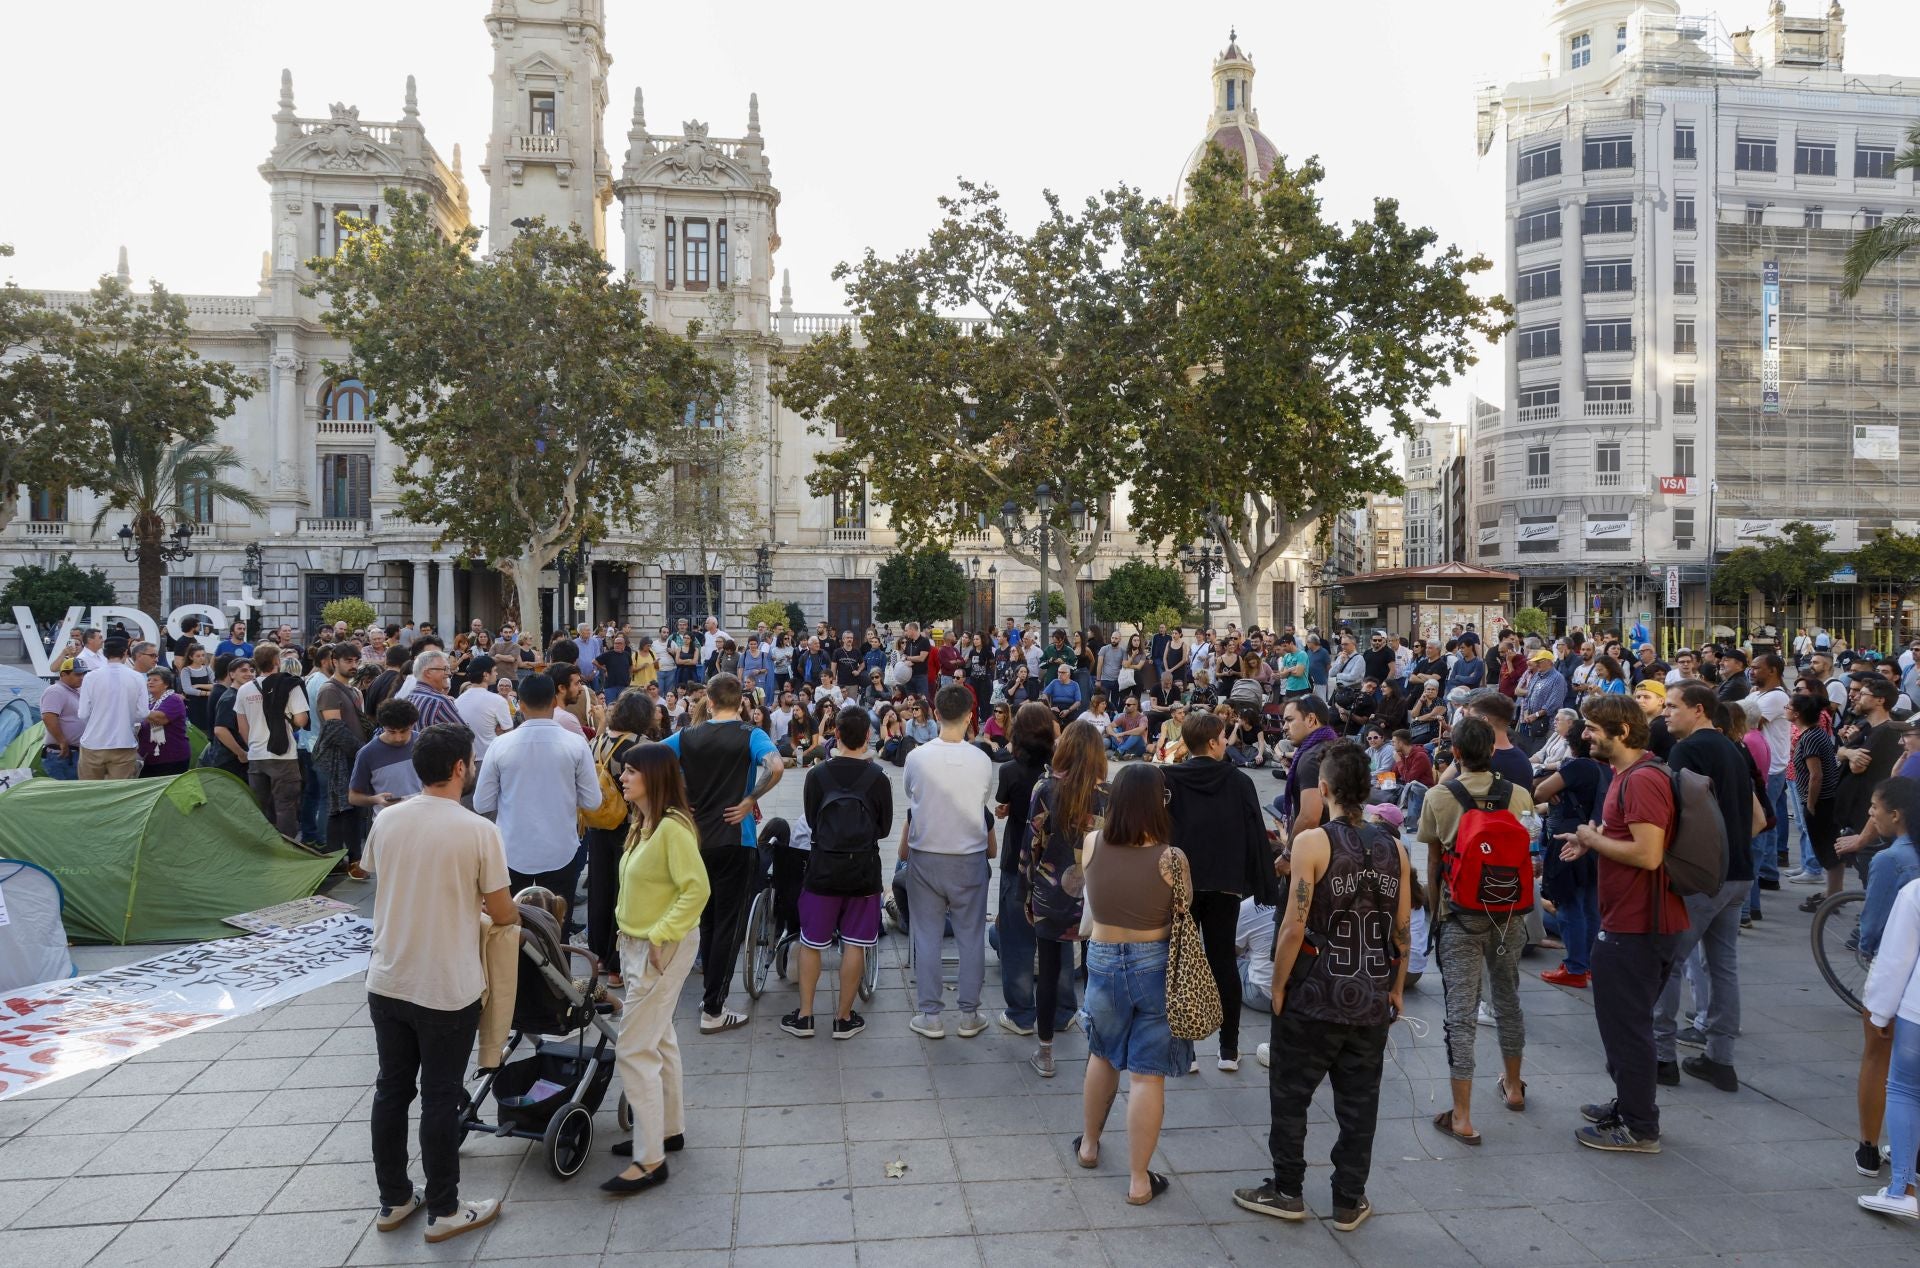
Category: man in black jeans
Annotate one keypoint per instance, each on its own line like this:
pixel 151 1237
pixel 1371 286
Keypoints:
pixel 439 865
pixel 1216 821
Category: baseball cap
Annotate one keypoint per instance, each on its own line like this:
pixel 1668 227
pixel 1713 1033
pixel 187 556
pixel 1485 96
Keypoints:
pixel 71 665
pixel 1542 654
pixel 1653 687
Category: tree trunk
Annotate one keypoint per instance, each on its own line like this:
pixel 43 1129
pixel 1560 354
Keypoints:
pixel 526 588
pixel 1246 592
pixel 146 532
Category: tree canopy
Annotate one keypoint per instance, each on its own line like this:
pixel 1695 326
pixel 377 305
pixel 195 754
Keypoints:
pixel 1299 336
pixel 533 401
pixel 922 586
pixel 1893 559
pixel 1780 568
pixel 49 592
pixel 1137 587
pixel 946 419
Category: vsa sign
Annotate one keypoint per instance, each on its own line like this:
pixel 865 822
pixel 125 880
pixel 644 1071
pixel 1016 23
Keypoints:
pixel 40 655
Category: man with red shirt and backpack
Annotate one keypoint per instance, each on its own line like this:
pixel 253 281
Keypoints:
pixel 1641 920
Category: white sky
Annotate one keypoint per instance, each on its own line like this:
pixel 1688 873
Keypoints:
pixel 146 125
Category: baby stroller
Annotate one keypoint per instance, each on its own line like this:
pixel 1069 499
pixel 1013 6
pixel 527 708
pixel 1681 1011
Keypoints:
pixel 550 1093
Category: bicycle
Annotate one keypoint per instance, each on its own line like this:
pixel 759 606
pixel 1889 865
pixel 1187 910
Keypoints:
pixel 1836 945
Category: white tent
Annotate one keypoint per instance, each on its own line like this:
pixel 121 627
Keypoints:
pixel 33 941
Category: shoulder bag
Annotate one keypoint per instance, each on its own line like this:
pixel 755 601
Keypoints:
pixel 1193 1000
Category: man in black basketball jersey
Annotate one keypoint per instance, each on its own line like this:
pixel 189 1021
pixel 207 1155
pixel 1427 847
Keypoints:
pixel 1347 918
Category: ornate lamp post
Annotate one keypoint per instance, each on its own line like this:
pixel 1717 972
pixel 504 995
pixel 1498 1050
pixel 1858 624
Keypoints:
pixel 762 570
pixel 173 548
pixel 1205 559
pixel 1039 539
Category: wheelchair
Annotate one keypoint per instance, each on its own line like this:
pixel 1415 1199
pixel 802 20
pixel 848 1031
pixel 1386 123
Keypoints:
pixel 773 918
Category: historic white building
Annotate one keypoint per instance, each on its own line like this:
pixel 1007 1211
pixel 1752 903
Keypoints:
pixel 700 213
pixel 1685 375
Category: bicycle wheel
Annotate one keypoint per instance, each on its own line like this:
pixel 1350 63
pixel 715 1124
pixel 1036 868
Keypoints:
pixel 759 943
pixel 1836 945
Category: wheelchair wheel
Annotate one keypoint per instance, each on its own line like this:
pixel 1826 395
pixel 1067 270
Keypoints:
pixel 870 973
pixel 569 1140
pixel 623 1114
pixel 1836 945
pixel 782 952
pixel 759 944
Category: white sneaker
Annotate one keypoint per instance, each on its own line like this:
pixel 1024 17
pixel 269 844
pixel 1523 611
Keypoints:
pixel 1906 1205
pixel 927 1026
pixel 1230 1065
pixel 969 1025
pixel 465 1218
pixel 1264 1055
pixel 1193 1066
pixel 711 1025
pixel 1485 1015
pixel 1013 1027
pixel 392 1217
pixel 1803 878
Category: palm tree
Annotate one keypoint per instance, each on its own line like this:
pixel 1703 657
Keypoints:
pixel 158 484
pixel 1892 238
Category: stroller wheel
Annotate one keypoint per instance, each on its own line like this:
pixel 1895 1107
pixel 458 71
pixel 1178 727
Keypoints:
pixel 623 1114
pixel 569 1140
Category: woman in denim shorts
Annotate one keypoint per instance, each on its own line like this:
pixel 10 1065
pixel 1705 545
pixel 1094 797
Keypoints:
pixel 1129 874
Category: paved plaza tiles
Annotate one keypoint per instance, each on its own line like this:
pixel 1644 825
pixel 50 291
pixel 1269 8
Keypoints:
pixel 246 1146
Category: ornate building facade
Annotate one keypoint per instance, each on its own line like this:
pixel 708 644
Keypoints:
pixel 700 214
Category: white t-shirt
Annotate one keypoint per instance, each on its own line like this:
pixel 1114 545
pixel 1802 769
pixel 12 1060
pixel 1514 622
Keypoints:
pixel 949 788
pixel 434 860
pixel 1101 722
pixel 1253 937
pixel 1776 727
pixel 486 713
pixel 252 706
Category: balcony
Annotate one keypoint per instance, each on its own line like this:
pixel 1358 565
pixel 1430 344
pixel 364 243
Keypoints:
pixel 1539 483
pixel 1606 409
pixel 847 536
pixel 1539 413
pixel 47 530
pixel 1606 480
pixel 333 529
pixel 550 145
pixel 342 429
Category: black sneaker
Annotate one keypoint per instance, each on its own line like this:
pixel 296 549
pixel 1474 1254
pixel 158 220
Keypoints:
pixel 1813 904
pixel 1769 882
pixel 1746 920
pixel 1602 1112
pixel 1868 1160
pixel 797 1026
pixel 1348 1218
pixel 848 1027
pixel 1668 1074
pixel 1268 1200
pixel 1690 1037
pixel 1616 1138
pixel 1720 1075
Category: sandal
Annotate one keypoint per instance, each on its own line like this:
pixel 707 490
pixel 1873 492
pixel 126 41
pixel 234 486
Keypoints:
pixel 1443 1121
pixel 1077 1157
pixel 1156 1185
pixel 1506 1099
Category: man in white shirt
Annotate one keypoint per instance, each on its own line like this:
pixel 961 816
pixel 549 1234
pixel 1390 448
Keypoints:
pixel 113 701
pixel 90 654
pixel 947 844
pixel 1253 947
pixel 269 710
pixel 439 867
pixel 535 781
pixel 484 710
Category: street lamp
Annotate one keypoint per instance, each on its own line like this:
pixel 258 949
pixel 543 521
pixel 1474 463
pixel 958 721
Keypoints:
pixel 173 548
pixel 1039 539
pixel 1205 559
pixel 250 571
pixel 762 569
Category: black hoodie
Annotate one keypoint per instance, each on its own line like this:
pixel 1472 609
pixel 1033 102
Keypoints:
pixel 1217 822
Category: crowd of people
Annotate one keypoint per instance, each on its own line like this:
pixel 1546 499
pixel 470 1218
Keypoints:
pixel 1113 777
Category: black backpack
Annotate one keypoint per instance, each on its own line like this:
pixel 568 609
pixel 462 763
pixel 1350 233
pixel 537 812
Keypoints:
pixel 845 860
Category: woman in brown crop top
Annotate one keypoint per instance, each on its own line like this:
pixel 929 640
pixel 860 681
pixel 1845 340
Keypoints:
pixel 1129 872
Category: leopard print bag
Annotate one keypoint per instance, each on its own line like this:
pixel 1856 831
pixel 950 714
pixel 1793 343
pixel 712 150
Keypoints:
pixel 1193 999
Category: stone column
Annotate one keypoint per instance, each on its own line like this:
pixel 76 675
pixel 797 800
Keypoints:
pixel 420 595
pixel 443 616
pixel 286 488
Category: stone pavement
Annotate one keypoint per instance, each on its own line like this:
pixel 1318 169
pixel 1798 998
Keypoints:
pixel 247 1145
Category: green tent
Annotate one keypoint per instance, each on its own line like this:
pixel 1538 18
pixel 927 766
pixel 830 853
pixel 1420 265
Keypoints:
pixel 24 752
pixel 155 860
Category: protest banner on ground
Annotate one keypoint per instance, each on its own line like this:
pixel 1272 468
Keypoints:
pixel 50 1031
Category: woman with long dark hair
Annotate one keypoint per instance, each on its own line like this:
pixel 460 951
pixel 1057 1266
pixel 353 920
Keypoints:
pixel 1129 873
pixel 1572 793
pixel 1066 806
pixel 630 724
pixel 1030 738
pixel 663 887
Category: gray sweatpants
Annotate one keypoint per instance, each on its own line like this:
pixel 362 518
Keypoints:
pixel 939 886
pixel 1713 927
pixel 1468 946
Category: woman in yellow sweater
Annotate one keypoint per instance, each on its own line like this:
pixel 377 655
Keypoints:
pixel 663 886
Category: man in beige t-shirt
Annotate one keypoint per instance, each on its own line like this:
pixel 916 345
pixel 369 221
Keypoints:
pixel 438 866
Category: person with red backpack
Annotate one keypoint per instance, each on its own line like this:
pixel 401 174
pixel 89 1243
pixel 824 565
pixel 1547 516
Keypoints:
pixel 1480 851
pixel 1641 920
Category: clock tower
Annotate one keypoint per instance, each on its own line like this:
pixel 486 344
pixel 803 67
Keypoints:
pixel 546 155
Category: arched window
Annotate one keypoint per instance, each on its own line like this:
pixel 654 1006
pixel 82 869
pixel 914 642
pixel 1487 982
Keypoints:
pixel 347 402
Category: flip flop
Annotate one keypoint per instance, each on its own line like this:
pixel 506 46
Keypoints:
pixel 1156 1185
pixel 1444 1122
pixel 1082 1161
pixel 1507 1100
